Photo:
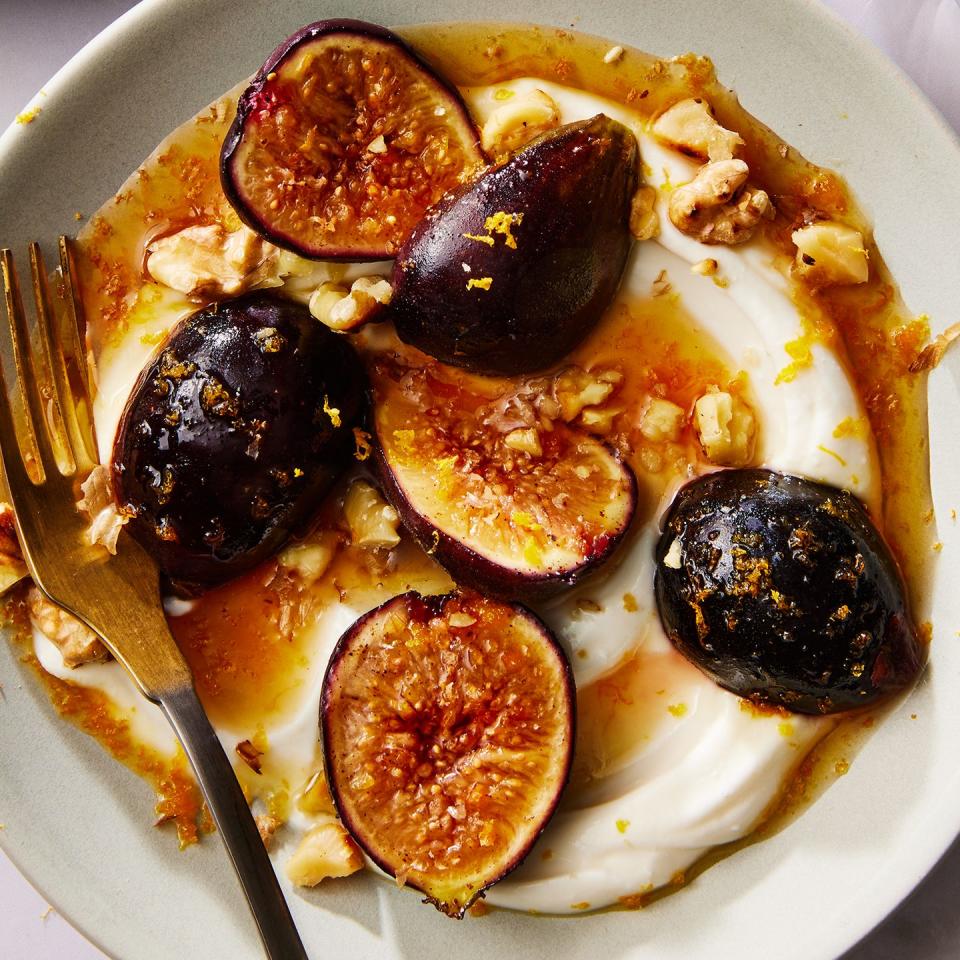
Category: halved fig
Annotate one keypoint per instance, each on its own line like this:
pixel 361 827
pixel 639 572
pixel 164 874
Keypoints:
pixel 783 591
pixel 448 730
pixel 342 141
pixel 510 273
pixel 233 435
pixel 509 507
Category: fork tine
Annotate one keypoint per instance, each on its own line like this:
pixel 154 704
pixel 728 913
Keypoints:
pixel 34 435
pixel 11 457
pixel 75 359
pixel 55 372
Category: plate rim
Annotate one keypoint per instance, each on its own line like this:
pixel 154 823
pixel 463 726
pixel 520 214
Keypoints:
pixel 924 860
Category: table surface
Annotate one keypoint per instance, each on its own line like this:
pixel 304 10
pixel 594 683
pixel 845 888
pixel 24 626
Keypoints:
pixel 922 36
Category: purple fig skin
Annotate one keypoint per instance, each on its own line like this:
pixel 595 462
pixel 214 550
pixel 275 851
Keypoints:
pixel 786 593
pixel 229 174
pixel 573 188
pixel 225 447
pixel 434 606
pixel 474 570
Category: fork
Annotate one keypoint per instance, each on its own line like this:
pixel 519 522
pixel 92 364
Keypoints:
pixel 47 446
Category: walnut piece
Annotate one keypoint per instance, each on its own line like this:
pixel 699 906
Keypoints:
pixel 520 119
pixel 662 421
pixel 831 253
pixel 267 825
pixel 717 207
pixel 311 558
pixel 726 427
pixel 341 309
pixel 644 222
pixel 325 851
pixel 690 126
pixel 12 567
pixel 77 643
pixel 207 260
pixel 106 519
pixel 372 521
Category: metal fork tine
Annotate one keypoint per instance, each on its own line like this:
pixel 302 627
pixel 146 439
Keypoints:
pixel 60 399
pixel 11 457
pixel 75 357
pixel 34 435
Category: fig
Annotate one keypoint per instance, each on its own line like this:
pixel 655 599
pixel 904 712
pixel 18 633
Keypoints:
pixel 784 592
pixel 342 140
pixel 510 273
pixel 233 434
pixel 517 512
pixel 448 731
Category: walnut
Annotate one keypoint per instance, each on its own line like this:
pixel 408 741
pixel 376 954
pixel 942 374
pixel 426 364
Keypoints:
pixel 662 421
pixel 690 126
pixel 372 521
pixel 716 207
pixel 77 643
pixel 520 119
pixel 644 223
pixel 267 825
pixel 12 567
pixel 831 253
pixel 207 260
pixel 325 851
pixel 106 519
pixel 341 309
pixel 726 427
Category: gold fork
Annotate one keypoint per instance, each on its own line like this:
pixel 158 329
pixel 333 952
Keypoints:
pixel 47 444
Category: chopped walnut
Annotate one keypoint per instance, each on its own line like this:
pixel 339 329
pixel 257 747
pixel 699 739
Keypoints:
pixel 716 206
pixel 575 389
pixel 662 421
pixel 267 825
pixel 690 126
pixel 207 260
pixel 526 440
pixel 325 851
pixel 517 121
pixel 12 567
pixel 726 427
pixel 831 253
pixel 77 643
pixel 310 559
pixel 644 222
pixel 372 521
pixel 341 309
pixel 106 519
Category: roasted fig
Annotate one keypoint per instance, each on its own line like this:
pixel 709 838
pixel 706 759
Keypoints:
pixel 514 510
pixel 233 434
pixel 342 141
pixel 783 592
pixel 447 728
pixel 509 274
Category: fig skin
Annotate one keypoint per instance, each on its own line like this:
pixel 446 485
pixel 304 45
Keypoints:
pixel 424 608
pixel 224 447
pixel 252 99
pixel 573 187
pixel 811 616
pixel 483 574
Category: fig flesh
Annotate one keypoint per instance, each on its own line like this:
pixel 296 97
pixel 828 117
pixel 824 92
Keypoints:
pixel 784 592
pixel 448 730
pixel 233 435
pixel 517 513
pixel 342 141
pixel 510 273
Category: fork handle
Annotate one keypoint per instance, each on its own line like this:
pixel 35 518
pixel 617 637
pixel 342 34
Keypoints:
pixel 235 823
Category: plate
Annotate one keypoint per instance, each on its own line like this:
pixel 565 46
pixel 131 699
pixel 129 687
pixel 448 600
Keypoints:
pixel 78 825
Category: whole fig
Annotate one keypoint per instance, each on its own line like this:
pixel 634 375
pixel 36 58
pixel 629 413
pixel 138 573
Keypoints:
pixel 509 274
pixel 233 435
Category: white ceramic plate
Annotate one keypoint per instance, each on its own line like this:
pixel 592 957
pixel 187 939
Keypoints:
pixel 79 825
